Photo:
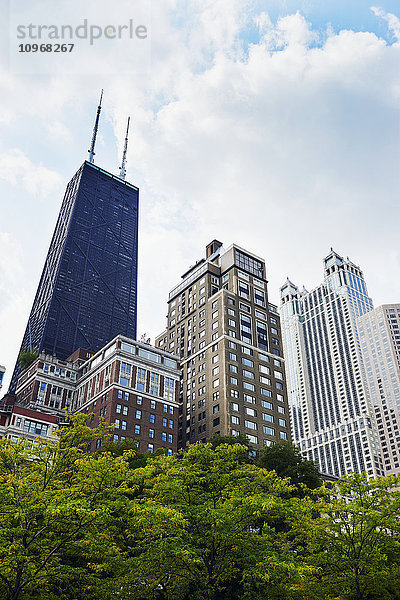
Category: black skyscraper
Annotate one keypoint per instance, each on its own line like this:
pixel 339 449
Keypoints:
pixel 87 291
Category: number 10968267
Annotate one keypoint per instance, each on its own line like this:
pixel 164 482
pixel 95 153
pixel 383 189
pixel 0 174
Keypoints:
pixel 45 47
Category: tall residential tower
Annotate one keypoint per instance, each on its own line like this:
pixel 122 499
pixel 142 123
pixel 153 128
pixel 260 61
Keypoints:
pixel 331 412
pixel 227 335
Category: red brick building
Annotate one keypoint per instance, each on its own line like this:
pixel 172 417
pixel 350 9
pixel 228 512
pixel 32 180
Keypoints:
pixel 135 387
pixel 131 385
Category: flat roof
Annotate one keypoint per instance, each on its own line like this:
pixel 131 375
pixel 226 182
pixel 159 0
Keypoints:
pixel 112 175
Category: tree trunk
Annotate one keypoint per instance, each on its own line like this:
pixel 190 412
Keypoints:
pixel 359 594
pixel 14 594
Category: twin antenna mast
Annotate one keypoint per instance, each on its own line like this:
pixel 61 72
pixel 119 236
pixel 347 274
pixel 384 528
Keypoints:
pixel 95 129
pixel 122 169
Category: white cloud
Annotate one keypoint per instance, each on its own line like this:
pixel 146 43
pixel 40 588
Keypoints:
pixel 263 22
pixel 36 179
pixel 392 20
pixel 12 299
pixel 294 30
pixel 58 132
pixel 10 262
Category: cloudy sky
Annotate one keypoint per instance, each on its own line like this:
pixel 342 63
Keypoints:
pixel 272 124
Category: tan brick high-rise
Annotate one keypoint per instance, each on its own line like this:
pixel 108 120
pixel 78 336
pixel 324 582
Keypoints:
pixel 228 337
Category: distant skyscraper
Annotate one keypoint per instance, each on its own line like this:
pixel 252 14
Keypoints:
pixel 379 332
pixel 332 415
pixel 88 288
pixel 228 337
pixel 2 371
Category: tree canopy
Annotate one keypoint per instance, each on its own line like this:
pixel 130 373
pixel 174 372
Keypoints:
pixel 226 545
pixel 356 545
pixel 203 524
pixel 27 357
pixel 52 495
pixel 287 460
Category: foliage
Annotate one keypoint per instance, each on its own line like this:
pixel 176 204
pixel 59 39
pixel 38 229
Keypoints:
pixel 218 439
pixel 26 358
pixel 128 448
pixel 248 453
pixel 205 524
pixel 52 495
pixel 226 547
pixel 356 546
pixel 287 460
pixel 122 447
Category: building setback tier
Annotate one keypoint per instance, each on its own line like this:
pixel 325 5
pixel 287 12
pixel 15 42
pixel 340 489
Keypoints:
pixel 228 338
pixel 332 415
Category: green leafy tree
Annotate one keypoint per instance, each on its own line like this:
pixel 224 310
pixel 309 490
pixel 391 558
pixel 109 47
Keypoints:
pixel 127 448
pixel 53 500
pixel 248 453
pixel 357 541
pixel 287 460
pixel 202 525
pixel 26 358
pixel 226 546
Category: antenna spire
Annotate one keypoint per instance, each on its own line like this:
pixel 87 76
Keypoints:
pixel 122 170
pixel 95 128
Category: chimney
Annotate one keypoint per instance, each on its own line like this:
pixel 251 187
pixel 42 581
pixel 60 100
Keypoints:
pixel 212 247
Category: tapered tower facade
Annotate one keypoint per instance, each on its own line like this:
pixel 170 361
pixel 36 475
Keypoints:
pixel 88 288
